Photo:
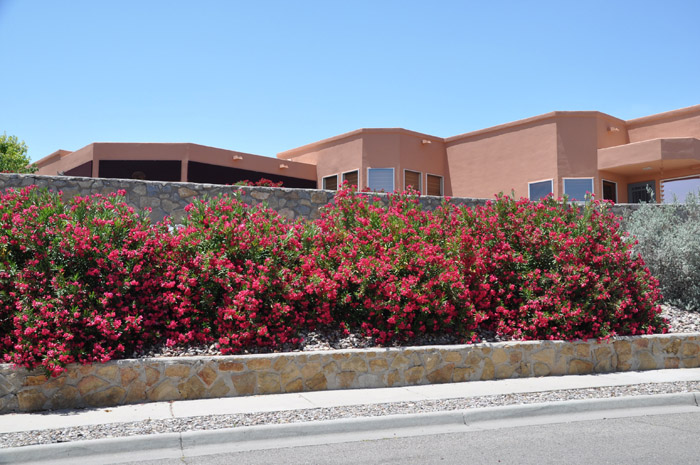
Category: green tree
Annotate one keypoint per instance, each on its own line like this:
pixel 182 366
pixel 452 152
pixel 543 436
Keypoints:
pixel 13 156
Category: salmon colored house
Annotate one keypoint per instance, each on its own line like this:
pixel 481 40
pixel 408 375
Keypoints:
pixel 562 153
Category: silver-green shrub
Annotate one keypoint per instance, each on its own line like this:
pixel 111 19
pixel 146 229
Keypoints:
pixel 668 238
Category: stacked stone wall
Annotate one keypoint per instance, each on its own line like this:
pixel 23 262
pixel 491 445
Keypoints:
pixel 171 198
pixel 122 382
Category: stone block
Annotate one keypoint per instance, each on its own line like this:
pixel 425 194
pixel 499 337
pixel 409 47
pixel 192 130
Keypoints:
pixel 107 398
pixel 378 364
pixel 690 350
pixel 177 371
pixel 583 350
pixel 152 376
pixel 346 379
pixel 580 367
pixel 541 369
pixel 317 382
pixel 37 380
pixel 646 361
pixel 451 356
pixel 66 397
pixel 135 393
pixel 545 356
pixel 431 361
pixel 193 388
pixel 219 389
pixel 244 384
pixel 231 366
pixel 269 383
pixel 356 364
pixel 166 390
pixel 488 371
pixel 294 386
pixel 110 372
pixel 414 375
pixel 127 376
pixel 31 400
pixel 91 384
pixel 504 371
pixel 441 375
pixel 259 364
pixel 208 375
pixel 461 374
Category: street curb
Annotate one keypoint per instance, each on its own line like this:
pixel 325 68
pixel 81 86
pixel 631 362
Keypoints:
pixel 178 444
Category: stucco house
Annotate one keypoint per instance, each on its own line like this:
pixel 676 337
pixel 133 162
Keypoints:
pixel 563 152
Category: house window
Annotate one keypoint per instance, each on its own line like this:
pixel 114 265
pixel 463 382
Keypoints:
pixel 578 188
pixel 411 179
pixel 380 179
pixel 330 183
pixel 610 191
pixel 539 190
pixel 677 190
pixel 434 185
pixel 352 178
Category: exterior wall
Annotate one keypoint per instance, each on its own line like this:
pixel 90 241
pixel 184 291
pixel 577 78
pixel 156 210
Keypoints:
pixel 184 152
pixel 577 150
pixel 162 379
pixel 684 122
pixel 487 162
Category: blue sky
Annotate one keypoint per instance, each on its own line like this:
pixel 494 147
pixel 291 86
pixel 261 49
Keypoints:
pixel 266 76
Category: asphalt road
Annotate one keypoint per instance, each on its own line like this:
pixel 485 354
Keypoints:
pixel 640 440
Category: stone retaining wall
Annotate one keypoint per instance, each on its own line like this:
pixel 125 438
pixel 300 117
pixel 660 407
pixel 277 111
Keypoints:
pixel 163 379
pixel 171 198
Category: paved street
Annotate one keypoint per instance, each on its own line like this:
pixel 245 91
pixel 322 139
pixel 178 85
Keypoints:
pixel 657 439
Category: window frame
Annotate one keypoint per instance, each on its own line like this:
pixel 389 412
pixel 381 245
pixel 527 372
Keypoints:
pixel 442 184
pixel 420 179
pixel 529 187
pixel 323 182
pixel 393 178
pixel 359 181
pixel 563 186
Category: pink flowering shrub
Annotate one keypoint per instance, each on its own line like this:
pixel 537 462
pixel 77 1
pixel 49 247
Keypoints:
pixel 548 270
pixel 237 281
pixel 71 286
pixel 391 271
pixel 91 280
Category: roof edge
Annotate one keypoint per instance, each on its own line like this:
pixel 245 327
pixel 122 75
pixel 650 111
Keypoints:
pixel 533 119
pixel 287 154
pixel 637 122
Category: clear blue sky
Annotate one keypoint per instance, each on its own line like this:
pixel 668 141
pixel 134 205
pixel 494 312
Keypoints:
pixel 267 76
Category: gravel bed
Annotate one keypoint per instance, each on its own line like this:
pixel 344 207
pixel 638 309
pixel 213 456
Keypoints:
pixel 212 422
pixel 679 321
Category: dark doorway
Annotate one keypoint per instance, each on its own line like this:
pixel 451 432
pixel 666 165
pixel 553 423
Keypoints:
pixel 151 170
pixel 639 192
pixel 610 191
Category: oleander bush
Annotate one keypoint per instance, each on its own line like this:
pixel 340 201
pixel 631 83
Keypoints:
pixel 75 278
pixel 668 238
pixel 236 278
pixel 394 271
pixel 89 279
pixel 553 270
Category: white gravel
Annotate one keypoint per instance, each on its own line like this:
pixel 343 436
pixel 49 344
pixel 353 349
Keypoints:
pixel 679 321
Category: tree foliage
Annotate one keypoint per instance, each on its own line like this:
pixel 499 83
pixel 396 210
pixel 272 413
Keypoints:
pixel 13 156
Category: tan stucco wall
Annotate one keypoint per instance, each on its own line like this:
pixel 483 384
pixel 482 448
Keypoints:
pixel 684 122
pixel 484 164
